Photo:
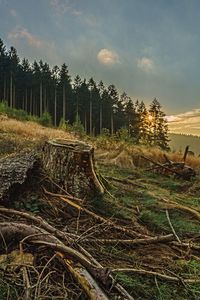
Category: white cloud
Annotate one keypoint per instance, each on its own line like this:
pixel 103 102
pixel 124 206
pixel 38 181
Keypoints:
pixel 107 57
pixel 188 122
pixel 145 64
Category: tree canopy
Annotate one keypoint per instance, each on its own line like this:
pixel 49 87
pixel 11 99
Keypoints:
pixel 38 89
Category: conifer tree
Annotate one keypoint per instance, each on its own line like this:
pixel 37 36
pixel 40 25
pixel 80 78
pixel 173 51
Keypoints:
pixel 159 126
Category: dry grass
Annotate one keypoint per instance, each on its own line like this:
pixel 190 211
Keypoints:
pixel 31 130
pixel 126 155
pixel 108 151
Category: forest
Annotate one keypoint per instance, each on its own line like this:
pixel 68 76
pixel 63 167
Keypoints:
pixel 42 90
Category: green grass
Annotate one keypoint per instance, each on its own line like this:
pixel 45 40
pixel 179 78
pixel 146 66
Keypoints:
pixel 142 287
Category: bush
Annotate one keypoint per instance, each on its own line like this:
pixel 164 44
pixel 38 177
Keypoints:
pixel 122 134
pixel 45 119
pixel 64 125
pixel 77 127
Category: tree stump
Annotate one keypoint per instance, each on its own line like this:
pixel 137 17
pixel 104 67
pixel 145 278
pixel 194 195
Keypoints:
pixel 70 164
pixel 13 173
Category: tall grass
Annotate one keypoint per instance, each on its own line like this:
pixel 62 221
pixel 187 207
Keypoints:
pixel 122 153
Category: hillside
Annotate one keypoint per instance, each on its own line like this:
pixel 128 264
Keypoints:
pixel 144 230
pixel 178 142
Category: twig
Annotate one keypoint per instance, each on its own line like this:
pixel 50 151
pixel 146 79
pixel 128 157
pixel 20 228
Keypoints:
pixel 152 273
pixel 101 219
pixel 146 241
pixel 125 181
pixel 171 226
pixel 38 284
pixel 60 195
pixel 38 220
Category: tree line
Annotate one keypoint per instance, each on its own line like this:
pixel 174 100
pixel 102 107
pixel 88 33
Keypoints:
pixel 37 89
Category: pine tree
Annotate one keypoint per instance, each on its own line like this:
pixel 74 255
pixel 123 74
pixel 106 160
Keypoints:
pixel 159 128
pixel 113 99
pixel 65 84
pixel 55 77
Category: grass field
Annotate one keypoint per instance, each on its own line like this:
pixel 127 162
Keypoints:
pixel 146 202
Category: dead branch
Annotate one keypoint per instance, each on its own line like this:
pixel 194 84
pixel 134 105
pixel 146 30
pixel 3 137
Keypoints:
pixel 160 165
pixel 60 195
pixel 189 245
pixel 83 277
pixel 101 219
pixel 152 273
pixel 135 242
pixel 171 226
pixel 39 221
pixel 187 209
pixel 178 168
pixel 15 232
pixel 115 286
pixel 125 181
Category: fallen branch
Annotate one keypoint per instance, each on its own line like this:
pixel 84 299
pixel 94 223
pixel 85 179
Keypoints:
pixel 189 245
pixel 135 242
pixel 83 277
pixel 152 273
pixel 125 181
pixel 171 226
pixel 60 195
pixel 101 219
pixel 187 209
pixel 39 221
pixel 13 233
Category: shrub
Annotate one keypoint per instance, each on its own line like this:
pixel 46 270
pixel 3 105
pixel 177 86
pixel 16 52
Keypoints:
pixel 77 127
pixel 123 135
pixel 45 119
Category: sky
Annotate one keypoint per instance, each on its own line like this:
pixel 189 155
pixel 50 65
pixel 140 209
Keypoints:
pixel 147 48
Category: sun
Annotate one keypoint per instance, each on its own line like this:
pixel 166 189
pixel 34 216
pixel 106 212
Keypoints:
pixel 150 118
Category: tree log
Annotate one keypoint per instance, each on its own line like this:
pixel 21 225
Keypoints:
pixel 13 172
pixel 71 165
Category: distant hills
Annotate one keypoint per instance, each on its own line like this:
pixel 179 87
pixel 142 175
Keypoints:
pixel 178 142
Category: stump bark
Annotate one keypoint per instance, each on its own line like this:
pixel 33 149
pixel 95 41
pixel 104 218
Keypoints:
pixel 13 173
pixel 71 165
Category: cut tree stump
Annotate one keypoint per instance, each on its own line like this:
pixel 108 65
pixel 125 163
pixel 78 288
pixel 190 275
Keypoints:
pixel 13 173
pixel 70 164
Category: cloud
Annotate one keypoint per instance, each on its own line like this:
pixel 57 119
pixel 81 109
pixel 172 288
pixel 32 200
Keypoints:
pixel 13 12
pixel 20 33
pixel 188 122
pixel 60 6
pixel 90 20
pixel 145 64
pixel 76 13
pixel 107 57
pixel 20 37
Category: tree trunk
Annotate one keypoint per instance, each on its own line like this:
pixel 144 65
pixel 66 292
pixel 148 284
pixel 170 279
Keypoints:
pixel 4 89
pixel 11 89
pixel 55 107
pixel 40 99
pixel 71 165
pixel 64 104
pixel 100 119
pixel 13 172
pixel 90 116
pixel 31 102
